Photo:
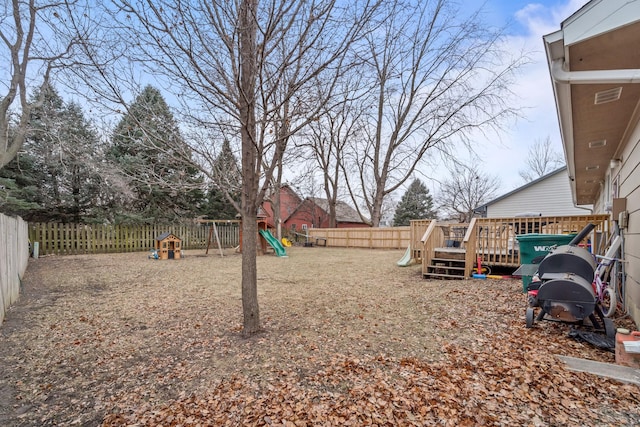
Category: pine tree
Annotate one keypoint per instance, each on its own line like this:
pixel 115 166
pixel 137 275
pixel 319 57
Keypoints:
pixel 18 187
pixel 228 181
pixel 56 176
pixel 148 148
pixel 18 183
pixel 416 203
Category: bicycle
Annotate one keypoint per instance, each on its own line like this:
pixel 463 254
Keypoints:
pixel 607 267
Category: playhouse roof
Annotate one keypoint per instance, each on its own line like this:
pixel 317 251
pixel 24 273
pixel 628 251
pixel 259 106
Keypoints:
pixel 165 235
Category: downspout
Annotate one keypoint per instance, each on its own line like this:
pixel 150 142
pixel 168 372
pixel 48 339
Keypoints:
pixel 560 75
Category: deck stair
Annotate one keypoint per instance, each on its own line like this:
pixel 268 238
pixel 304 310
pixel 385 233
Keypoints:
pixel 490 241
pixel 448 264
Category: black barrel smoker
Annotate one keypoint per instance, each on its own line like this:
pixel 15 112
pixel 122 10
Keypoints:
pixel 563 289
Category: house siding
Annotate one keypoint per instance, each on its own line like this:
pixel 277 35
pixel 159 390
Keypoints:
pixel 289 201
pixel 313 216
pixel 307 214
pixel 549 197
pixel 629 188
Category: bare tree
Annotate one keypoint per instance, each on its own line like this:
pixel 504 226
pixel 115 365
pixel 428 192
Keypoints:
pixel 436 78
pixel 541 160
pixel 464 190
pixel 327 138
pixel 33 45
pixel 243 70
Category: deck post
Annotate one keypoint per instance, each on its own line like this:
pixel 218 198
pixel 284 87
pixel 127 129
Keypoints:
pixel 429 246
pixel 470 243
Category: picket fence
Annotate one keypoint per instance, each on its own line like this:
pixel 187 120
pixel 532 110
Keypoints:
pixel 71 239
pixel 14 256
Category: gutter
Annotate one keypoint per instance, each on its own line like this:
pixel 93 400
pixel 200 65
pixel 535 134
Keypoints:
pixel 581 207
pixel 560 75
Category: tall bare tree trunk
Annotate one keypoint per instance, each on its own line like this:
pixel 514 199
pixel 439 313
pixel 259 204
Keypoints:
pixel 275 203
pixel 250 308
pixel 376 212
pixel 247 106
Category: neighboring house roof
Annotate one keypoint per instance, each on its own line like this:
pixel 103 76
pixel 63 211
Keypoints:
pixel 289 201
pixel 482 208
pixel 283 187
pixel 344 212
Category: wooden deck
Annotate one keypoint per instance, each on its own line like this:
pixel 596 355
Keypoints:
pixel 494 240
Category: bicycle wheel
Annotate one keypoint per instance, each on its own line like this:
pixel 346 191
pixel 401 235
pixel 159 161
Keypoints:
pixel 609 302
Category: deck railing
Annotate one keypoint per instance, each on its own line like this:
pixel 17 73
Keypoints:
pixel 470 241
pixel 418 227
pixel 494 240
pixel 431 239
pixel 497 243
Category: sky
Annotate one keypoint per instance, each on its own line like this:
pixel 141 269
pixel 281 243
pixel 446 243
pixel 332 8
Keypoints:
pixel 526 23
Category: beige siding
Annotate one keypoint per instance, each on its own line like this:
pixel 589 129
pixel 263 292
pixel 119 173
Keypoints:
pixel 630 189
pixel 549 197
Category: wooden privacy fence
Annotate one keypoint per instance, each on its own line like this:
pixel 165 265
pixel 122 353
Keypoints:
pixel 14 256
pixel 361 237
pixel 67 239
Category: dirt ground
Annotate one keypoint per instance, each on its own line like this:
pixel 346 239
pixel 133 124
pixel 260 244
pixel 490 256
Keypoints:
pixel 348 337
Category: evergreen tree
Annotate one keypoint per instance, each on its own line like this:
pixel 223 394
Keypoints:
pixel 218 206
pixel 81 173
pixel 56 177
pixel 18 187
pixel 228 181
pixel 148 148
pixel 416 203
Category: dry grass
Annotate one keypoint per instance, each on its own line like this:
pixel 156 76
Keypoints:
pixel 94 335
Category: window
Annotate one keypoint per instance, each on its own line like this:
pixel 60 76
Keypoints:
pixel 304 226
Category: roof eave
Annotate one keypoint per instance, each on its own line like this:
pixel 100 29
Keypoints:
pixel 555 50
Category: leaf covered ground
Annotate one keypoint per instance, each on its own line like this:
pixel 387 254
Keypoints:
pixel 349 339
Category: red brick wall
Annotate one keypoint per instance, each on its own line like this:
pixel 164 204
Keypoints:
pixel 289 201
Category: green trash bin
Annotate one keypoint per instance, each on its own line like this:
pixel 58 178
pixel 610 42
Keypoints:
pixel 534 245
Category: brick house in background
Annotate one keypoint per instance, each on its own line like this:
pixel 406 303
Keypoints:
pixel 313 212
pixel 289 201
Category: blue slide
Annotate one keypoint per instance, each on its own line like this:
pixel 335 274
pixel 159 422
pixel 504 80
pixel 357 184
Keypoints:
pixel 275 244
